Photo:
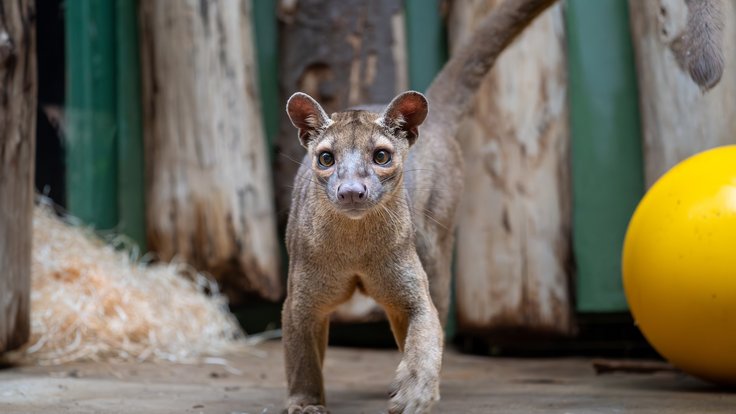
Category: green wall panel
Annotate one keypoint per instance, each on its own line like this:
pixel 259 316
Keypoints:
pixel 266 37
pixel 131 167
pixel 90 112
pixel 426 41
pixel 105 169
pixel 606 147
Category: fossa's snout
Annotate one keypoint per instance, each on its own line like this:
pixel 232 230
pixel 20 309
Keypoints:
pixel 352 193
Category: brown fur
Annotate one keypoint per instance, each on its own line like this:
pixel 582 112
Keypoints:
pixel 333 254
pixel 398 251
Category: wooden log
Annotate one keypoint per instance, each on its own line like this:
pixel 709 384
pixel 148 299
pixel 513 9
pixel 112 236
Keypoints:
pixel 342 53
pixel 513 251
pixel 17 150
pixel 678 118
pixel 209 197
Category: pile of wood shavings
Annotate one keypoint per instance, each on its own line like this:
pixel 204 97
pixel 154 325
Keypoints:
pixel 92 302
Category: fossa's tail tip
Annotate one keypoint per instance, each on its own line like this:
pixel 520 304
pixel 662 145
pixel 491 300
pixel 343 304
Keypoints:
pixel 705 42
pixel 707 69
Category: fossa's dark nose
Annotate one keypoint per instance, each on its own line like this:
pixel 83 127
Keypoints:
pixel 352 192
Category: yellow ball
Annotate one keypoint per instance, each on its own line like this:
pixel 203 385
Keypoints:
pixel 679 265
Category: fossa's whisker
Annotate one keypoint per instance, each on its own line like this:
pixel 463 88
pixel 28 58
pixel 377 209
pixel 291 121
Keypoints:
pixel 281 154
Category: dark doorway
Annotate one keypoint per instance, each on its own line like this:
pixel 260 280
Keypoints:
pixel 50 165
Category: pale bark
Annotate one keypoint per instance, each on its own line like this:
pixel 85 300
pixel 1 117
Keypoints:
pixel 17 149
pixel 678 118
pixel 513 251
pixel 209 197
pixel 343 53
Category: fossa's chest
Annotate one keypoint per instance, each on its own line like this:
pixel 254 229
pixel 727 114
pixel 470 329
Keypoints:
pixel 360 244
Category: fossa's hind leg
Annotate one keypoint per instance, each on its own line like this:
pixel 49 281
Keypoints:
pixel 436 257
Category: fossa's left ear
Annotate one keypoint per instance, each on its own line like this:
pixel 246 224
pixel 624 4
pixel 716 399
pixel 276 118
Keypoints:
pixel 307 116
pixel 404 115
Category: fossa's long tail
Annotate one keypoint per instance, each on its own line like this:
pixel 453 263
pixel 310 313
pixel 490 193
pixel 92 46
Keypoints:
pixel 454 88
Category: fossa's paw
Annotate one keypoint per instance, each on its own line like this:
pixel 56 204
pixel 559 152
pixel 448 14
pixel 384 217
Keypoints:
pixel 413 392
pixel 306 409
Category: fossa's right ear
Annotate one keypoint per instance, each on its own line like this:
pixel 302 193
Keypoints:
pixel 307 116
pixel 404 115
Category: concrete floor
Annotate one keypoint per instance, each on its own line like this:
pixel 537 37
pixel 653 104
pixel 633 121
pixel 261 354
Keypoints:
pixel 357 382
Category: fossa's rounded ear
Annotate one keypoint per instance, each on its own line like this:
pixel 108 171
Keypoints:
pixel 404 115
pixel 307 116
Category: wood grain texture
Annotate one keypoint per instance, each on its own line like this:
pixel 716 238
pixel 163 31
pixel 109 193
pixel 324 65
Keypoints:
pixel 343 53
pixel 513 243
pixel 209 197
pixel 17 151
pixel 678 118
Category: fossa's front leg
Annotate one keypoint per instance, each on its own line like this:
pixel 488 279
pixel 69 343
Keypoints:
pixel 416 327
pixel 304 341
pixel 305 325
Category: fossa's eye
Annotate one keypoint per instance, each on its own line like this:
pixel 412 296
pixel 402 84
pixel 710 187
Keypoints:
pixel 381 157
pixel 326 159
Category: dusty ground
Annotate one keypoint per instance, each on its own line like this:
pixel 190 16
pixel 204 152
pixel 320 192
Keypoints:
pixel 357 381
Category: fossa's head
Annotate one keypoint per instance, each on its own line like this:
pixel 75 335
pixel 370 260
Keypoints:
pixel 358 156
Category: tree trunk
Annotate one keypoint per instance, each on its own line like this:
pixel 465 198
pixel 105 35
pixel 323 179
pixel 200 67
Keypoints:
pixel 342 53
pixel 209 200
pixel 17 150
pixel 678 119
pixel 513 252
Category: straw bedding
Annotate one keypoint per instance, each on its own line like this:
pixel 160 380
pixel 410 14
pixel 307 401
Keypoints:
pixel 90 301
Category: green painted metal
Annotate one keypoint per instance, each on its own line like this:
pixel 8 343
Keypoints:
pixel 606 146
pixel 92 151
pixel 266 39
pixel 426 40
pixel 131 190
pixel 105 169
